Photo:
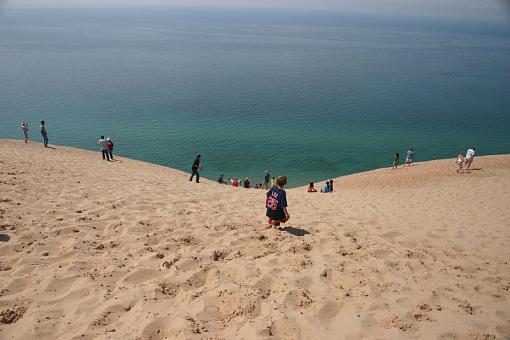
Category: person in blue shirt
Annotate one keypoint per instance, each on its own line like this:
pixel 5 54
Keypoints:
pixel 326 187
pixel 276 203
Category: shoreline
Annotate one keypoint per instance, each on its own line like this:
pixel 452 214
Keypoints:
pixel 303 186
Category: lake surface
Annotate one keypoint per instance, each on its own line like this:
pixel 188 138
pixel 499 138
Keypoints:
pixel 308 95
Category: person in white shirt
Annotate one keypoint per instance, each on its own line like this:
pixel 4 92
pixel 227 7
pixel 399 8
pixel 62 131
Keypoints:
pixel 470 155
pixel 103 145
pixel 409 157
pixel 24 127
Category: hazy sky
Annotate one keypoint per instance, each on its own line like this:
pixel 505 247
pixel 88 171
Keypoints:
pixel 483 9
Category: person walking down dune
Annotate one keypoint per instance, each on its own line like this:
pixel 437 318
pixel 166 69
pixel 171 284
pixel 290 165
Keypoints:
pixel 24 128
pixel 470 156
pixel 103 146
pixel 110 146
pixel 460 161
pixel 194 169
pixel 396 161
pixel 276 203
pixel 44 133
pixel 409 157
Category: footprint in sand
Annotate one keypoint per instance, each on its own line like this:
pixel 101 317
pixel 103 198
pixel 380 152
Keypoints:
pixel 328 310
pixel 142 275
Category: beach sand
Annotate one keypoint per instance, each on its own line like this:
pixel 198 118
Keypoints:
pixel 129 250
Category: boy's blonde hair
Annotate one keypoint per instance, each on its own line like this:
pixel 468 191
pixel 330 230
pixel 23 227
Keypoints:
pixel 281 181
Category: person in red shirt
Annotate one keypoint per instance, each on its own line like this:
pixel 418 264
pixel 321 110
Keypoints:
pixel 110 147
pixel 311 188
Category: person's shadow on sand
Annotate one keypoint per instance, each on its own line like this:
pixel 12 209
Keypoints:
pixel 295 231
pixel 4 238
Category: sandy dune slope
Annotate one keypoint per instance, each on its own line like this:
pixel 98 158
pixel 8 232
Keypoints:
pixel 129 250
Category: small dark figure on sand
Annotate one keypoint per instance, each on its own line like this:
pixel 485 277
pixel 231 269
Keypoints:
pixel 267 178
pixel 396 161
pixel 246 183
pixel 44 133
pixel 222 180
pixel 194 169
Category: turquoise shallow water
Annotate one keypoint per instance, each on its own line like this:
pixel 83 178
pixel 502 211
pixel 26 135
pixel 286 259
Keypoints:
pixel 311 96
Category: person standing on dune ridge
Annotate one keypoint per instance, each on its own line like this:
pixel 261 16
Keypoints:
pixel 110 147
pixel 44 133
pixel 103 145
pixel 24 127
pixel 267 178
pixel 409 157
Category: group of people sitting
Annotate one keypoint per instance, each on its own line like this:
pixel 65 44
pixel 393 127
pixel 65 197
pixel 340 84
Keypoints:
pixel 328 187
pixel 236 182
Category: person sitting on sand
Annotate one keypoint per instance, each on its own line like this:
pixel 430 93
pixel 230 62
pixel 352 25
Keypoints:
pixel 276 203
pixel 409 156
pixel 470 155
pixel 24 128
pixel 396 161
pixel 234 182
pixel 221 179
pixel 330 185
pixel 460 161
pixel 194 169
pixel 311 188
pixel 103 146
pixel 258 185
pixel 247 183
pixel 326 187
pixel 110 147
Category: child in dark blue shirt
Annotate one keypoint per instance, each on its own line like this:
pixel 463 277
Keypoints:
pixel 276 203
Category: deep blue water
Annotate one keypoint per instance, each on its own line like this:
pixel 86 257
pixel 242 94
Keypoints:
pixel 308 95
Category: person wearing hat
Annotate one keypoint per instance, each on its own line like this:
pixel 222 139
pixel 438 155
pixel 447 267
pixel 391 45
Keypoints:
pixel 110 147
pixel 267 178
